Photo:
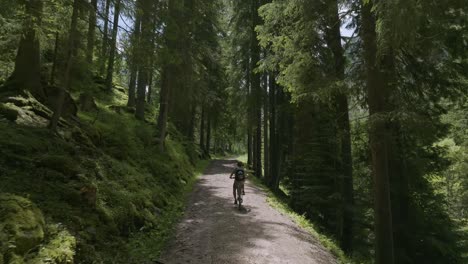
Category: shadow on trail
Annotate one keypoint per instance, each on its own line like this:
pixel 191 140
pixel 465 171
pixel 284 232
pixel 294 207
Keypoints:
pixel 220 167
pixel 214 230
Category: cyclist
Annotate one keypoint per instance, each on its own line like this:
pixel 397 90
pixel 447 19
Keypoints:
pixel 239 179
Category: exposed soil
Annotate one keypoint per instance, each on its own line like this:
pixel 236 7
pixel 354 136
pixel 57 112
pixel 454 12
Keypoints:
pixel 213 230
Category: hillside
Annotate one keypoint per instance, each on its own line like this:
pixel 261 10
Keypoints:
pixel 90 191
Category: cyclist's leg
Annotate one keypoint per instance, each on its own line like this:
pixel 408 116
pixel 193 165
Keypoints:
pixel 234 187
pixel 240 187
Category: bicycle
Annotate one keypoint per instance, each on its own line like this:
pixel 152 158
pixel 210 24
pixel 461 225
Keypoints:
pixel 239 189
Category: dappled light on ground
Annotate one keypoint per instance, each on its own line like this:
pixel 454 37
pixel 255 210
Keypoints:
pixel 214 230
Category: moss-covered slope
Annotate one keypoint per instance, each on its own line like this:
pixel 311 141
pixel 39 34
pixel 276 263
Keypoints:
pixel 97 189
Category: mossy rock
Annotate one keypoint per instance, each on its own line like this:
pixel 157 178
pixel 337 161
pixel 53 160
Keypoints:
pixel 25 111
pixel 8 113
pixel 21 226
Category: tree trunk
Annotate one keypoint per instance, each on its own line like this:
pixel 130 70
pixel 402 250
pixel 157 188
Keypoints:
pixel 341 100
pixel 145 52
pixel 254 150
pixel 266 157
pixel 113 46
pixel 249 147
pixel 169 77
pixel 202 131
pixel 134 62
pixel 69 63
pixel 256 89
pixel 163 107
pixel 27 72
pixel 54 60
pixel 141 94
pixel 208 136
pixel 131 102
pixel 151 61
pixel 191 132
pixel 150 87
pixel 378 95
pixel 91 31
pixel 274 144
pixel 399 194
pixel 105 38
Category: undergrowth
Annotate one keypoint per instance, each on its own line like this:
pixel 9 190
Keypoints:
pixel 103 180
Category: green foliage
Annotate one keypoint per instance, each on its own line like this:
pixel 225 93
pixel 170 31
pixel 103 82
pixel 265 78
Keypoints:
pixel 104 180
pixel 428 72
pixel 60 247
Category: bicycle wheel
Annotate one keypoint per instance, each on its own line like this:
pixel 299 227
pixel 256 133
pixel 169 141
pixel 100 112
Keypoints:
pixel 239 195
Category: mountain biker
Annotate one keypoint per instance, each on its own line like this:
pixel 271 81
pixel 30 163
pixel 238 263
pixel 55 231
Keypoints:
pixel 239 179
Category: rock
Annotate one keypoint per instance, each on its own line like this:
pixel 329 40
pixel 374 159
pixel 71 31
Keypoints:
pixel 28 111
pixel 69 105
pixel 21 227
pixel 87 103
pixel 9 113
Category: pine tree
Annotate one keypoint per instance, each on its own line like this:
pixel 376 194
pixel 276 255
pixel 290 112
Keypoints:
pixel 27 71
pixel 113 45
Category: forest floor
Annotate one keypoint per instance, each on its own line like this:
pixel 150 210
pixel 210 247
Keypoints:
pixel 213 230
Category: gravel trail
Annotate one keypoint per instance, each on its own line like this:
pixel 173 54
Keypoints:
pixel 214 231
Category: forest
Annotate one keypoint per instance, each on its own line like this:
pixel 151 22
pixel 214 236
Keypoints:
pixel 354 113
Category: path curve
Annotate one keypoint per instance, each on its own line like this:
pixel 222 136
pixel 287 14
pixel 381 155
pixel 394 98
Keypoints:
pixel 214 231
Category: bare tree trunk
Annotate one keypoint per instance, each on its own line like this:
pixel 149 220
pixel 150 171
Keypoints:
pixel 163 108
pixel 27 72
pixel 91 31
pixel 191 132
pixel 131 102
pixel 151 62
pixel 134 62
pixel 334 42
pixel 105 38
pixel 150 87
pixel 202 130
pixel 69 63
pixel 254 150
pixel 274 147
pixel 141 94
pixel 249 147
pixel 208 136
pixel 54 61
pixel 378 95
pixel 256 89
pixel 145 51
pixel 113 46
pixel 266 157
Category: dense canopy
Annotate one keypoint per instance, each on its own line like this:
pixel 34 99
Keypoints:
pixel 352 112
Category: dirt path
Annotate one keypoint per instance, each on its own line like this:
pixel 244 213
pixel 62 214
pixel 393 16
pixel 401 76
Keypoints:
pixel 215 231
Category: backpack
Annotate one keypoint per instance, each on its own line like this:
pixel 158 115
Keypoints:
pixel 240 175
